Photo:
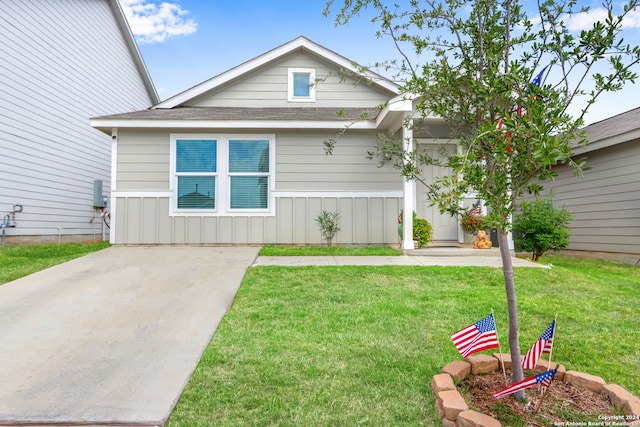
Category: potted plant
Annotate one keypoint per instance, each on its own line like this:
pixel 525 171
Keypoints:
pixel 472 221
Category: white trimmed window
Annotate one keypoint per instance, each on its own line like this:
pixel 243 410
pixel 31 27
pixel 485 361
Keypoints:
pixel 301 85
pixel 222 174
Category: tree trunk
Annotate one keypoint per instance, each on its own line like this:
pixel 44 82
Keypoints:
pixel 512 305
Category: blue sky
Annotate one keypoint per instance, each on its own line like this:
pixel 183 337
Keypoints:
pixel 185 42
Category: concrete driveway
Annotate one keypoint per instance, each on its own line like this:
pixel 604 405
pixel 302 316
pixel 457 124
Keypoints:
pixel 112 337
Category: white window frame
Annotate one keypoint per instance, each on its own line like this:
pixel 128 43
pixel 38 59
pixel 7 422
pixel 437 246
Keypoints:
pixel 223 176
pixel 312 85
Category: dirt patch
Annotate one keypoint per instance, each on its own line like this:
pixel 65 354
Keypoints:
pixel 563 404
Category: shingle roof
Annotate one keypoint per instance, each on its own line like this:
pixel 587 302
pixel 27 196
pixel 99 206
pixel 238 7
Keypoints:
pixel 246 113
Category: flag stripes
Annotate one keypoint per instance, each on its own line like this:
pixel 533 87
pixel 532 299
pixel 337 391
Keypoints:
pixel 543 379
pixel 542 345
pixel 476 337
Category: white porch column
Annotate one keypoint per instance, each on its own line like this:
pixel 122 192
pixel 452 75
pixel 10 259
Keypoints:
pixel 409 189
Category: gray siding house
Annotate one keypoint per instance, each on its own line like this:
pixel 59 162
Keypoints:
pixel 606 200
pixel 239 158
pixel 62 62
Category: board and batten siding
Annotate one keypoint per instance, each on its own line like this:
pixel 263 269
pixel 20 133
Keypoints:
pixel 605 201
pixel 363 220
pixel 267 87
pixel 62 63
pixel 367 198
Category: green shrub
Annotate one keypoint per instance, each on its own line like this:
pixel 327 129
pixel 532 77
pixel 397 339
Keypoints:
pixel 541 227
pixel 328 222
pixel 422 231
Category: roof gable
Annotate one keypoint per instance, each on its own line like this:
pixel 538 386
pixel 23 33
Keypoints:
pixel 299 45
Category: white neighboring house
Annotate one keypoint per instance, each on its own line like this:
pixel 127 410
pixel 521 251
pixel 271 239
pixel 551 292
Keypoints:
pixel 239 159
pixel 62 62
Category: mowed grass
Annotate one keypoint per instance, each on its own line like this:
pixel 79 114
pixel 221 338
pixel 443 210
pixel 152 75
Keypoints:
pixel 284 250
pixel 21 260
pixel 338 346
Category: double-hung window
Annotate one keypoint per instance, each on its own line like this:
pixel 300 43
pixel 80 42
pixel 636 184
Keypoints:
pixel 302 85
pixel 249 168
pixel 217 175
pixel 196 170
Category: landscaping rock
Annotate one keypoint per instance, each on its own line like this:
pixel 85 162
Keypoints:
pixel 476 419
pixel 632 407
pixel 506 359
pixel 618 395
pixel 457 369
pixel 448 423
pixel 442 382
pixel 452 403
pixel 482 364
pixel 590 382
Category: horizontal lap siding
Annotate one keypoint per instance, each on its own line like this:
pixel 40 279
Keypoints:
pixel 62 63
pixel 605 202
pixel 363 220
pixel 143 160
pixel 268 88
pixel 302 164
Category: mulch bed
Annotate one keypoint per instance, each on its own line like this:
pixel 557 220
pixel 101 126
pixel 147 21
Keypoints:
pixel 563 404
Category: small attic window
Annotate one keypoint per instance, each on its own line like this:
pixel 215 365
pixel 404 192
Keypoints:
pixel 301 85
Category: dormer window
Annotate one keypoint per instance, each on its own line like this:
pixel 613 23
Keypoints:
pixel 301 85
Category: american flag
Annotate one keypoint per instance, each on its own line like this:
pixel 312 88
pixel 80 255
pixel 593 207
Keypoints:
pixel 476 210
pixel 537 81
pixel 543 345
pixel 544 379
pixel 476 337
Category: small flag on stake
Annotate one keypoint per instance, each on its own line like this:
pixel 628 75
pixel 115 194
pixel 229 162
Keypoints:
pixel 543 379
pixel 477 210
pixel 537 81
pixel 476 337
pixel 543 345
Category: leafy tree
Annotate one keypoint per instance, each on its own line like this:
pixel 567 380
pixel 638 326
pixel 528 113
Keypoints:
pixel 472 63
pixel 541 227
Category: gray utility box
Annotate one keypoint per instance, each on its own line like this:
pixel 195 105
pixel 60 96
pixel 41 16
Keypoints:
pixel 99 201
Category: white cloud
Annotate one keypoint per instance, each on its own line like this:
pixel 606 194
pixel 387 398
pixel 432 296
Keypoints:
pixel 585 20
pixel 154 22
pixel 632 20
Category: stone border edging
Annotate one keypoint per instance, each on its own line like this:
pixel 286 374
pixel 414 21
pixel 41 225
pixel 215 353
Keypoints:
pixel 453 409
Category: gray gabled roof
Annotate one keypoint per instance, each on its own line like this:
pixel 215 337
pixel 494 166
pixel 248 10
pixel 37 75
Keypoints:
pixel 245 113
pixel 620 128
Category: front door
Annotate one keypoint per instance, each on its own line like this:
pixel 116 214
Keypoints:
pixel 445 227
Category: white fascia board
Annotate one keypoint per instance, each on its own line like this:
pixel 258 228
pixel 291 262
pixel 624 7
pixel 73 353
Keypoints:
pixel 402 102
pixel 235 124
pixel 300 42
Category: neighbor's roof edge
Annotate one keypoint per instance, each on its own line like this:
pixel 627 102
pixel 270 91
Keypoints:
pixel 130 41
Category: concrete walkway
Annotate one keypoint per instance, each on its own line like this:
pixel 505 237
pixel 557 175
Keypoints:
pixel 424 257
pixel 112 337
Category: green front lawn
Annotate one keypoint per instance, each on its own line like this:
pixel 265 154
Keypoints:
pixel 21 260
pixel 285 250
pixel 345 346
